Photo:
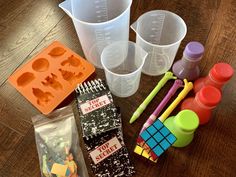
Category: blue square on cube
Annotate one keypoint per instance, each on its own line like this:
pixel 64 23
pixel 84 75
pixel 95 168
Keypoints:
pixel 165 144
pixel 158 137
pixel 171 138
pixel 158 124
pixel 152 130
pixel 164 131
pixel 145 135
pixel 158 150
pixel 151 143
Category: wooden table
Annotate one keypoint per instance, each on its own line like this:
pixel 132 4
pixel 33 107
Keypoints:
pixel 28 26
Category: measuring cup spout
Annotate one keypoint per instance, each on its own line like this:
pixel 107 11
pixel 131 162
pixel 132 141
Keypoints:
pixel 66 6
pixel 134 26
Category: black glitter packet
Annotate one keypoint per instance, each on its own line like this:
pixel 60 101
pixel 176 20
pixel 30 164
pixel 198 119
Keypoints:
pixel 100 119
pixel 118 163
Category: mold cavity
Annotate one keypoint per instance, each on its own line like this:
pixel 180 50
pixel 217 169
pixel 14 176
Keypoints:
pixel 25 79
pixel 42 97
pixel 72 60
pixel 40 65
pixel 57 51
pixel 51 81
pixel 71 77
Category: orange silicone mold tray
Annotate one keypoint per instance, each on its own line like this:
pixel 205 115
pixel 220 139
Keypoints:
pixel 51 76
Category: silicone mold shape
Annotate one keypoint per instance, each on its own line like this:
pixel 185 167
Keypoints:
pixel 48 78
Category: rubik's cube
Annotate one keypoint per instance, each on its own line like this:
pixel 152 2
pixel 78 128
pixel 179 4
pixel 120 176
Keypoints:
pixel 140 151
pixel 156 139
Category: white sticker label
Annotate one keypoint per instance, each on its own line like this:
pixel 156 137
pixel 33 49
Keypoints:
pixel 94 104
pixel 105 150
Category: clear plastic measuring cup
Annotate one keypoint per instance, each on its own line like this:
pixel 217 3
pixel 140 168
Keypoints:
pixel 160 33
pixel 122 62
pixel 98 23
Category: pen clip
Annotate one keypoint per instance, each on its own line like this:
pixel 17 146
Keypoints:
pixel 187 87
pixel 168 75
pixel 177 84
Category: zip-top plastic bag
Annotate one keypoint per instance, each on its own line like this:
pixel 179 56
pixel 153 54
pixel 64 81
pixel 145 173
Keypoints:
pixel 58 145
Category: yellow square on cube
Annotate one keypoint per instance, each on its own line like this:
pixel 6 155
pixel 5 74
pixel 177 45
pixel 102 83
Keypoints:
pixel 59 169
pixel 140 151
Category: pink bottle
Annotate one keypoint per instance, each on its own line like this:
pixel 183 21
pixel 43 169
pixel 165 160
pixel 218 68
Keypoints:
pixel 217 77
pixel 203 103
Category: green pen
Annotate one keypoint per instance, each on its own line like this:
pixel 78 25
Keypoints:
pixel 168 75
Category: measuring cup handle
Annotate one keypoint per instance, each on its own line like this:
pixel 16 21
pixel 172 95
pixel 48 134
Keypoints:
pixel 66 6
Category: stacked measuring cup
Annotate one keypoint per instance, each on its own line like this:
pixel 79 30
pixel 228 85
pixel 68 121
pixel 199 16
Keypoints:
pixel 103 30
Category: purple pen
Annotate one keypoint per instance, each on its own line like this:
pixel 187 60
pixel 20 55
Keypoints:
pixel 177 84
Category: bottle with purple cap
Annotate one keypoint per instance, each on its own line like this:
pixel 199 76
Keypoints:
pixel 187 67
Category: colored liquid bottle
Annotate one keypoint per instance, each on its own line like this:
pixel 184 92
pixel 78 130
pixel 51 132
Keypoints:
pixel 203 103
pixel 217 77
pixel 183 126
pixel 187 67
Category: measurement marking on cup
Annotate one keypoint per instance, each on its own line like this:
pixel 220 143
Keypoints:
pixel 101 10
pixel 153 15
pixel 156 28
pixel 103 37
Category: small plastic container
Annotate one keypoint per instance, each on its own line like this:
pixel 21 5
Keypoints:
pixel 123 62
pixel 98 23
pixel 160 33
pixel 187 67
pixel 217 77
pixel 203 103
pixel 183 126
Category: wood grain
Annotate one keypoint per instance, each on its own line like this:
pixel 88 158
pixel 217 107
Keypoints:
pixel 27 26
pixel 23 30
pixel 8 143
pixel 24 160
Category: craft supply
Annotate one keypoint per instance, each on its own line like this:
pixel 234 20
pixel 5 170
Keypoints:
pixel 57 143
pixel 203 103
pixel 108 154
pixel 122 62
pixel 98 23
pixel 97 111
pixel 142 107
pixel 177 84
pixel 101 127
pixel 159 32
pixel 72 166
pixel 60 170
pixel 140 151
pixel 219 74
pixel 156 139
pixel 48 78
pixel 183 126
pixel 187 67
pixel 187 88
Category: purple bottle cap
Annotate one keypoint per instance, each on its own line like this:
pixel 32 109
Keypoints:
pixel 194 50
